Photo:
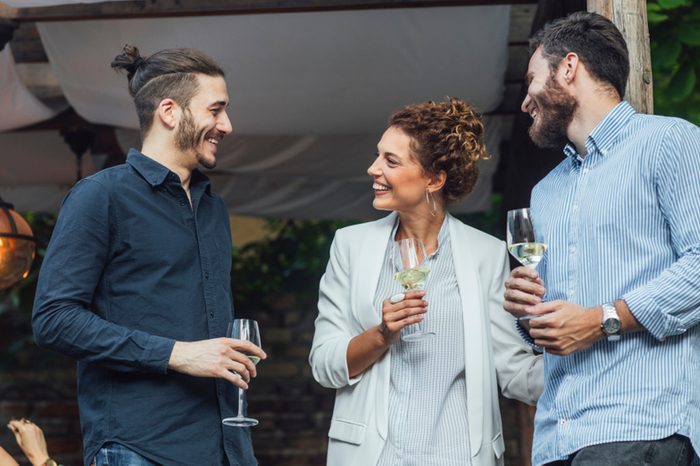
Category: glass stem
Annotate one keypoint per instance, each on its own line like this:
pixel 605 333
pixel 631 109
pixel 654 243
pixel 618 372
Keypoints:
pixel 241 403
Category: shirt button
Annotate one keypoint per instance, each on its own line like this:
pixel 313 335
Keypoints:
pixel 572 249
pixel 182 204
pixel 206 275
pixel 563 421
pixel 211 314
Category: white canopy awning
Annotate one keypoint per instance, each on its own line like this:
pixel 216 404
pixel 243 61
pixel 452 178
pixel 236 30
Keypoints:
pixel 310 92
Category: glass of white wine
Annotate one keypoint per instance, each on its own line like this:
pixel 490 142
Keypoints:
pixel 243 329
pixel 522 243
pixel 412 275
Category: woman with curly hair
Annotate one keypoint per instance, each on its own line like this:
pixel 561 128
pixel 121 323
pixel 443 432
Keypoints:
pixel 433 400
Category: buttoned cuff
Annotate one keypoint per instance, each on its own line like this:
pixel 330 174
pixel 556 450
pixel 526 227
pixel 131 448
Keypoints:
pixel 526 336
pixel 157 354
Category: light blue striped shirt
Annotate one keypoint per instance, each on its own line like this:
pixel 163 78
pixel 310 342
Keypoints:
pixel 428 390
pixel 624 222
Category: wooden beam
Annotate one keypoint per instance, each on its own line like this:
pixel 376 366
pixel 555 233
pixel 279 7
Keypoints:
pixel 168 8
pixel 630 16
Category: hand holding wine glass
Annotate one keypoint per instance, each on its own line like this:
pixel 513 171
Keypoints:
pixel 246 330
pixel 521 238
pixel 412 275
pixel 522 242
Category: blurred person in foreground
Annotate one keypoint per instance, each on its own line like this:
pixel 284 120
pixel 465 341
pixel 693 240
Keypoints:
pixel 30 439
pixel 136 283
pixel 433 401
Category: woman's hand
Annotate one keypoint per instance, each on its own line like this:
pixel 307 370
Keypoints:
pixel 30 439
pixel 397 315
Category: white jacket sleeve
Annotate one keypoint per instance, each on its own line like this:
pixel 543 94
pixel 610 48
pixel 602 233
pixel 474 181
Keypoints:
pixel 332 334
pixel 520 372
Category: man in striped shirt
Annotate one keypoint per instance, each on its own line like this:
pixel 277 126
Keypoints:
pixel 617 295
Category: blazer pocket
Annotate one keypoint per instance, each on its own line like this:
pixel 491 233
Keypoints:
pixel 347 431
pixel 498 445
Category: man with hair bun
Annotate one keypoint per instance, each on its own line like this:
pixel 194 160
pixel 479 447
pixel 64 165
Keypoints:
pixel 616 298
pixel 135 283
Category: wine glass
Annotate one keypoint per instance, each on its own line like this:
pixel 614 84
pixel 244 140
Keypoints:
pixel 243 329
pixel 522 244
pixel 412 275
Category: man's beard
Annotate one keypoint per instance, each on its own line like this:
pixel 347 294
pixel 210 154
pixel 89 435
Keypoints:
pixel 189 137
pixel 555 109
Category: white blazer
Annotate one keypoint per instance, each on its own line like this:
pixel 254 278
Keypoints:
pixel 492 348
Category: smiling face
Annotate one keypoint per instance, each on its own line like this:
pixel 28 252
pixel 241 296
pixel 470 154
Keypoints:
pixel 399 179
pixel 551 107
pixel 204 123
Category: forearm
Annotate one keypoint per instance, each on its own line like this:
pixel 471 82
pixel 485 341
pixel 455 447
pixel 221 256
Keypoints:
pixel 365 349
pixel 77 332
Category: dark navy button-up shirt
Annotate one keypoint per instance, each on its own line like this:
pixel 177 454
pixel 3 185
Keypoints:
pixel 131 268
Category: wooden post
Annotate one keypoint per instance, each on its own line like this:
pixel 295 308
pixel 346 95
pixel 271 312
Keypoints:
pixel 630 16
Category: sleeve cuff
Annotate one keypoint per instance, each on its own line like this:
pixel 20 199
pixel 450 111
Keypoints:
pixel 648 314
pixel 526 336
pixel 157 356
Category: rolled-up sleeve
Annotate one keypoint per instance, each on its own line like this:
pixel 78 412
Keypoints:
pixel 63 319
pixel 669 304
pixel 328 357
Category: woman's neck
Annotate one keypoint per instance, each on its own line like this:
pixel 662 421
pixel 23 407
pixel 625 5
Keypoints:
pixel 424 227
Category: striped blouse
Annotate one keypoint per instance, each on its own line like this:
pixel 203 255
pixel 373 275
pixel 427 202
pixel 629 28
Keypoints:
pixel 623 222
pixel 428 391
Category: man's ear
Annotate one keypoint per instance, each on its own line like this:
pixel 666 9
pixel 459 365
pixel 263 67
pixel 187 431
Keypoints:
pixel 168 113
pixel 436 182
pixel 569 66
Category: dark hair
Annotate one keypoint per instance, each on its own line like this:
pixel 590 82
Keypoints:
pixel 594 38
pixel 445 136
pixel 170 73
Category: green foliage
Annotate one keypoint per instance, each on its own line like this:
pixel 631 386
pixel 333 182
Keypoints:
pixel 674 27
pixel 289 262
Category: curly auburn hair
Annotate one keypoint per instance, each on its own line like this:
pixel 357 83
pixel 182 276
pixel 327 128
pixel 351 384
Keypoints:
pixel 445 136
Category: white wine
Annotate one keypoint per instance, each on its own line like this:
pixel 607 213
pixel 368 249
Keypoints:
pixel 412 279
pixel 254 359
pixel 528 254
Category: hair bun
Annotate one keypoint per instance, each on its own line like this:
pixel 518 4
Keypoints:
pixel 129 60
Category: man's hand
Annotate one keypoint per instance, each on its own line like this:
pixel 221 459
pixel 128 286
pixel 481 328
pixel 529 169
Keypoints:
pixel 564 327
pixel 524 289
pixel 224 358
pixel 30 439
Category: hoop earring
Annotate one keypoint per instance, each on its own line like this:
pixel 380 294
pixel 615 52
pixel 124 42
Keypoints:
pixel 432 203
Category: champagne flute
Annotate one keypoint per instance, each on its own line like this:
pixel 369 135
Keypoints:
pixel 243 329
pixel 522 244
pixel 412 275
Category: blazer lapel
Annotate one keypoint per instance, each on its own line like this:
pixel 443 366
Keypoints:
pixel 371 252
pixel 468 282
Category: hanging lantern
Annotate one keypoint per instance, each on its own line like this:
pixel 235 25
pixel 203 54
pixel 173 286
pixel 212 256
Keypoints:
pixel 17 246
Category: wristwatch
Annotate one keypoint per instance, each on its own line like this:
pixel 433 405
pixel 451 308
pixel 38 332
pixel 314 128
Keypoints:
pixel 611 325
pixel 50 462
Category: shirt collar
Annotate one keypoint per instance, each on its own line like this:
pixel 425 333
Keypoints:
pixel 156 174
pixel 604 135
pixel 443 235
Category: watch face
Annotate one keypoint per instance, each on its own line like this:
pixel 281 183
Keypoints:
pixel 611 326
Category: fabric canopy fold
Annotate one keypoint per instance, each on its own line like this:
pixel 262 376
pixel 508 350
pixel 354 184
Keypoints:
pixel 19 106
pixel 310 96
